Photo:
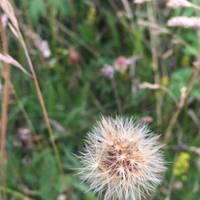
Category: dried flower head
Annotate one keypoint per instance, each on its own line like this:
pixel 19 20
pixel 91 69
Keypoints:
pixel 178 4
pixel 185 22
pixel 140 1
pixel 73 57
pixel 121 159
pixel 8 10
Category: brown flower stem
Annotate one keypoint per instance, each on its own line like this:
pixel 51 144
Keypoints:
pixel 6 95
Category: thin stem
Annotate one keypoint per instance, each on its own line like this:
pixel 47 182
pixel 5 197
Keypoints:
pixel 116 94
pixel 155 65
pixel 195 6
pixel 182 103
pixel 6 94
pixel 127 9
pixel 42 103
pixel 14 193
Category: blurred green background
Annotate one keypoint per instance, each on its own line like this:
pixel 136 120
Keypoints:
pixel 91 59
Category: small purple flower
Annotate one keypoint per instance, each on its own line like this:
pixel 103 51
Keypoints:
pixel 24 134
pixel 108 71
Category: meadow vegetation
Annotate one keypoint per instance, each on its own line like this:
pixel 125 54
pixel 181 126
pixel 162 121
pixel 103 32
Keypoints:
pixel 64 63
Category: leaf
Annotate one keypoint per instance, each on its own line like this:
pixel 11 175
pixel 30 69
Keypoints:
pixel 37 9
pixel 179 79
pixel 10 60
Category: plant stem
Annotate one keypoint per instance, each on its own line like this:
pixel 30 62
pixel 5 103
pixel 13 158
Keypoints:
pixel 182 102
pixel 43 106
pixel 6 94
pixel 15 194
pixel 155 65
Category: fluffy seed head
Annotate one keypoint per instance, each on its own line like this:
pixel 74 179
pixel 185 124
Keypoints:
pixel 121 159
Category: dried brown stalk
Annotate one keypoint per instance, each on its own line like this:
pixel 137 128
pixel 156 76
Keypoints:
pixel 6 94
pixel 14 27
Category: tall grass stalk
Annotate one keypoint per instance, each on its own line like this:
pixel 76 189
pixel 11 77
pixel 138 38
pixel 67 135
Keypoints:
pixel 6 94
pixel 14 27
pixel 43 106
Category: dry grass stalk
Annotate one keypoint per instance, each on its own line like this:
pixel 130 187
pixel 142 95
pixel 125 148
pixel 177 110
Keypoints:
pixel 10 60
pixel 9 12
pixel 14 26
pixel 5 104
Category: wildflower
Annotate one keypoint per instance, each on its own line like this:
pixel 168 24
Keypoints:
pixel 26 160
pixel 62 197
pixel 24 134
pixel 24 139
pixel 108 71
pixel 44 49
pixel 92 15
pixel 121 159
pixel 147 119
pixel 178 4
pixel 73 57
pixel 178 185
pixel 38 42
pixel 122 63
pixel 165 81
pixel 185 22
pixel 182 165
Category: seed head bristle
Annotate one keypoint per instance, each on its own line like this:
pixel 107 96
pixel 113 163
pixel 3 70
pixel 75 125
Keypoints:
pixel 121 159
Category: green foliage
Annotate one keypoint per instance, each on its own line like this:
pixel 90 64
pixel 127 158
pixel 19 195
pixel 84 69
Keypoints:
pixel 76 95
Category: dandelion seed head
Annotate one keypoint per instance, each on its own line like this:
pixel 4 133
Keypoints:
pixel 121 159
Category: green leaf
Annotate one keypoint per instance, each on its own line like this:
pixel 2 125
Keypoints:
pixel 37 9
